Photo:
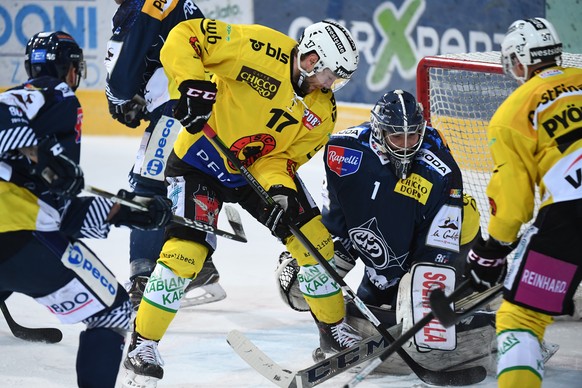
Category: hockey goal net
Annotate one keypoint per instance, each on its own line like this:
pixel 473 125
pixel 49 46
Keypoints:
pixel 460 93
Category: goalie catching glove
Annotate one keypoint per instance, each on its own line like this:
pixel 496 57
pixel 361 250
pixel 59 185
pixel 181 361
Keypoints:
pixel 286 273
pixel 60 174
pixel 195 105
pixel 278 216
pixel 487 263
pixel 158 215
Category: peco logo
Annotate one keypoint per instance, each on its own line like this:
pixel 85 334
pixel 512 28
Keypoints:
pixel 86 266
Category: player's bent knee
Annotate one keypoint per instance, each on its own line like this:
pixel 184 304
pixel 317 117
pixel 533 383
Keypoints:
pixel 185 258
pixel 319 237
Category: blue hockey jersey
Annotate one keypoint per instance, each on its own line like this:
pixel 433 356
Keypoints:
pixel 133 63
pixel 391 223
pixel 29 113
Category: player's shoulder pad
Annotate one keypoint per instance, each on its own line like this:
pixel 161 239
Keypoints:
pixel 435 154
pixel 349 133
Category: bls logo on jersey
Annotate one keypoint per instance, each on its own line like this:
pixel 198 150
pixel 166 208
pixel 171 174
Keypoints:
pixel 343 161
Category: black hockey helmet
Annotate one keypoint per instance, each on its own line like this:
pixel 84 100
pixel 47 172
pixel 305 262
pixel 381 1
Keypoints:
pixel 398 129
pixel 52 54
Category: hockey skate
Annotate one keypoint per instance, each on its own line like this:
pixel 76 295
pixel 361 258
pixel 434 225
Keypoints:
pixel 142 366
pixel 334 338
pixel 204 288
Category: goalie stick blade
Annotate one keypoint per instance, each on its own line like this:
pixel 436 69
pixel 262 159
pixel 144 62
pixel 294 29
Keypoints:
pixel 48 335
pixel 259 360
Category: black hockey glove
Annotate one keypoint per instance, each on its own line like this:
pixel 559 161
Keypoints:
pixel 486 263
pixel 61 175
pixel 159 212
pixel 278 216
pixel 130 113
pixel 195 105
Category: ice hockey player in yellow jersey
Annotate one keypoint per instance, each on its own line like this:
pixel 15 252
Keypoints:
pixel 271 101
pixel 535 139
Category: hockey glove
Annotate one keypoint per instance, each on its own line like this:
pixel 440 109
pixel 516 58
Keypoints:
pixel 486 263
pixel 278 216
pixel 130 113
pixel 195 105
pixel 61 175
pixel 159 212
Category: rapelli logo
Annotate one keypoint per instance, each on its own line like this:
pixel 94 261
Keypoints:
pixel 263 84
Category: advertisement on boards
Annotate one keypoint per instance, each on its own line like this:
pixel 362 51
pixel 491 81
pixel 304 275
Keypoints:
pixel 89 22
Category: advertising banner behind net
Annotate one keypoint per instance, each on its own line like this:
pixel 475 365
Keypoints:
pixel 393 36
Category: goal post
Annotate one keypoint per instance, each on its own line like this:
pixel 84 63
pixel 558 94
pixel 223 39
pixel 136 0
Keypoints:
pixel 460 93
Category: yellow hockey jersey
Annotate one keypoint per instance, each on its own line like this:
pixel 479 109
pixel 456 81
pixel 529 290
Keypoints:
pixel 257 113
pixel 535 138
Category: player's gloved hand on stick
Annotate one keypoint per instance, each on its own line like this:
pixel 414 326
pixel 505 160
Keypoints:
pixel 486 263
pixel 195 104
pixel 278 216
pixel 130 113
pixel 61 175
pixel 158 215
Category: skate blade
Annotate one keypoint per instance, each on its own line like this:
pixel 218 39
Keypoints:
pixel 548 350
pixel 132 380
pixel 205 294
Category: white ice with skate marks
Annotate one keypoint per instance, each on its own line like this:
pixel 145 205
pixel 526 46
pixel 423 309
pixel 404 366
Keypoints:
pixel 194 349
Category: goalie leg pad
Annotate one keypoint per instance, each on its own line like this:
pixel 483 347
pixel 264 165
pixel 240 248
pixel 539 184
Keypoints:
pixel 413 305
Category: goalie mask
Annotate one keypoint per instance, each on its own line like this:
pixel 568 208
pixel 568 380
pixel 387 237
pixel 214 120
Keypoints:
pixel 398 129
pixel 52 54
pixel 338 55
pixel 529 42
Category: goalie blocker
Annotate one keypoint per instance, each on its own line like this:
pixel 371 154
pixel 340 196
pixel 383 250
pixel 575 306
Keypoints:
pixel 469 343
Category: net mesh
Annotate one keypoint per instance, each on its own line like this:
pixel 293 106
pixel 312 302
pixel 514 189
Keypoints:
pixel 460 93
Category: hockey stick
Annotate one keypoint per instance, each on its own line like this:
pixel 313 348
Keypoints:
pixel 428 376
pixel 479 373
pixel 368 349
pixel 45 334
pixel 440 305
pixel 231 213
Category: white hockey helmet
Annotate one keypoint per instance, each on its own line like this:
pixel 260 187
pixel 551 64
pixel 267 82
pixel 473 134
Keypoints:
pixel 530 42
pixel 336 49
